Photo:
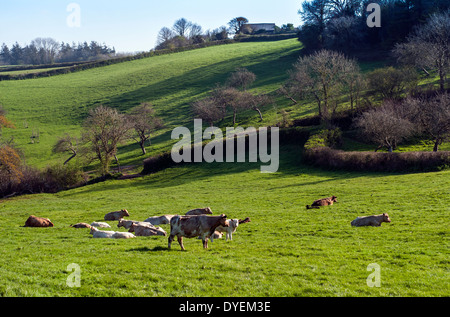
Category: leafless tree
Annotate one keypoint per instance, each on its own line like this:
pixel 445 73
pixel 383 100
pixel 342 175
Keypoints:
pixel 145 122
pixel 209 110
pixel 181 27
pixel 164 35
pixel 431 116
pixel 104 129
pixel 236 24
pixel 321 75
pixel 67 144
pixel 428 47
pixel 384 126
pixel 242 78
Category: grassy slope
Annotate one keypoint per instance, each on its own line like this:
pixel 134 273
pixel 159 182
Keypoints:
pixel 285 251
pixel 59 104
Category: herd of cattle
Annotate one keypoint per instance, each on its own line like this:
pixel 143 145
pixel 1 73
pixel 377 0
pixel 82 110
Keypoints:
pixel 196 223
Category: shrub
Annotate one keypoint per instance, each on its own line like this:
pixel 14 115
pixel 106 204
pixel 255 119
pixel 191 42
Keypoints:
pixel 328 158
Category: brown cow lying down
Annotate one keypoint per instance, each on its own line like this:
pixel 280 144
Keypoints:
pixel 117 215
pixel 37 222
pixel 322 202
pixel 374 221
pixel 195 226
pixel 81 225
pixel 200 211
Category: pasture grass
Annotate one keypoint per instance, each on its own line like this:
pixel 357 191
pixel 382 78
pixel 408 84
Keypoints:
pixel 285 250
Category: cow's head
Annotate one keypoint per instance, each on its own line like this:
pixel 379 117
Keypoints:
pixel 120 224
pixel 223 220
pixel 132 228
pixel 334 199
pixel 125 213
pixel 208 211
pixel 386 218
pixel 233 223
pixel 93 229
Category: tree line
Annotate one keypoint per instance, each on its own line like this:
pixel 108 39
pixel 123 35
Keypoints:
pixel 44 51
pixel 342 24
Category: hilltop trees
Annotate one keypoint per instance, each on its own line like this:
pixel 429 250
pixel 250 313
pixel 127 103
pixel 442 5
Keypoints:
pixel 48 51
pixel 342 24
pixel 236 24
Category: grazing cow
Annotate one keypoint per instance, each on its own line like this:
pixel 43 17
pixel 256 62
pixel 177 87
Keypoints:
pixel 98 234
pixel 322 202
pixel 117 215
pixel 200 211
pixel 374 221
pixel 100 225
pixel 146 231
pixel 162 220
pixel 81 225
pixel 194 226
pixel 37 222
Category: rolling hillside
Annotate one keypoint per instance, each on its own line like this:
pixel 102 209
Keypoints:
pixel 285 250
pixel 59 104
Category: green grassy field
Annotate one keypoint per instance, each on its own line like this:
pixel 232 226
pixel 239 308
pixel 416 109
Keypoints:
pixel 285 250
pixel 59 104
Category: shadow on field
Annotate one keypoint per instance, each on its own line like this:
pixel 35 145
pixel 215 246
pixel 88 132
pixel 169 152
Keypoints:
pixel 147 249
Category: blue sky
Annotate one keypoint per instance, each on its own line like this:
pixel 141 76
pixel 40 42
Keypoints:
pixel 130 25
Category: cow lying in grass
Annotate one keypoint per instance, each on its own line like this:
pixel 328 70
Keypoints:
pixel 146 230
pixel 322 202
pixel 37 222
pixel 199 211
pixel 195 226
pixel 161 220
pixel 374 221
pixel 81 226
pixel 117 215
pixel 99 234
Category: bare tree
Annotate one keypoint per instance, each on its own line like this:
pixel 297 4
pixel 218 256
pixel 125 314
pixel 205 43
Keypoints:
pixel 431 116
pixel 236 24
pixel 67 144
pixel 428 47
pixel 209 110
pixel 104 129
pixel 181 27
pixel 144 122
pixel 384 126
pixel 321 75
pixel 164 35
pixel 242 78
pixel 229 97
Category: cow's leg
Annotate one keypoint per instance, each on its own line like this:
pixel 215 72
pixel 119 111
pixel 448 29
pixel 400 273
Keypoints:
pixel 170 241
pixel 205 243
pixel 180 241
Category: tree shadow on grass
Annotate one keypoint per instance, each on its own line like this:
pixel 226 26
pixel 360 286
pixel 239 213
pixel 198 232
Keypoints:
pixel 147 249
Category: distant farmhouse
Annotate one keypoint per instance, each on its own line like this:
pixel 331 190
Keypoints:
pixel 260 27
